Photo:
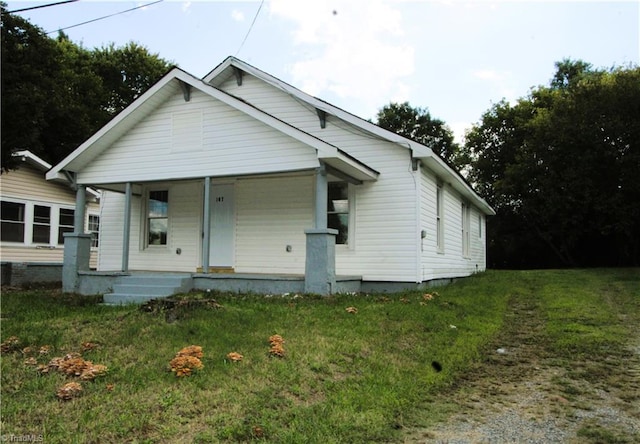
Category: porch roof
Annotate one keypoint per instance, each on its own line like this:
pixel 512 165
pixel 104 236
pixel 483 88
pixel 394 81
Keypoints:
pixel 178 80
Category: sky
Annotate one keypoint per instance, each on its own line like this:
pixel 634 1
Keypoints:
pixel 455 58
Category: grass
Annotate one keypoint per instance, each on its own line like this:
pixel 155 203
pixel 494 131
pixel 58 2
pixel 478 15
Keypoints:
pixel 345 377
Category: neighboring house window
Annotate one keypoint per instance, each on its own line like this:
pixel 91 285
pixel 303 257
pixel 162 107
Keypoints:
pixel 12 222
pixel 466 222
pixel 65 223
pixel 158 217
pixel 338 210
pixel 480 225
pixel 41 224
pixel 439 219
pixel 94 229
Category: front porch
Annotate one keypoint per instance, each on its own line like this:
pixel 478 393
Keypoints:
pixel 140 286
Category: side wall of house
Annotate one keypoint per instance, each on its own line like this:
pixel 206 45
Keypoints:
pixel 449 260
pixel 382 244
pixel 28 186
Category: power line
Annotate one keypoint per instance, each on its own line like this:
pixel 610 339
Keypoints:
pixel 104 17
pixel 40 6
pixel 250 27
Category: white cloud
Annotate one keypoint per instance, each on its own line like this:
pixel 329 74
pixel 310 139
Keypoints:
pixel 186 7
pixel 502 82
pixel 355 50
pixel 238 16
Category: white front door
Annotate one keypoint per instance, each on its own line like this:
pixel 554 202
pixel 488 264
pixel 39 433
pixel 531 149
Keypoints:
pixel 222 226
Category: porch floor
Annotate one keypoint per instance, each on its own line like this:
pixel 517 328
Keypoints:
pixel 137 286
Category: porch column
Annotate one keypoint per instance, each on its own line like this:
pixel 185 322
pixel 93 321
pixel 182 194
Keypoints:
pixel 206 225
pixel 126 231
pixel 79 213
pixel 77 247
pixel 320 264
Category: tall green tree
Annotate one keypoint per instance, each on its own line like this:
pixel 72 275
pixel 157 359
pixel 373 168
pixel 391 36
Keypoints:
pixel 558 167
pixel 418 125
pixel 55 93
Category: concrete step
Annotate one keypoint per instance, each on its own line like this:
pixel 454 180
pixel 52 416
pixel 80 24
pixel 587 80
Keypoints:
pixel 138 289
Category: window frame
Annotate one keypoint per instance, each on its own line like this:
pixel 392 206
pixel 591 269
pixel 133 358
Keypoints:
pixel 350 241
pixel 147 219
pixel 95 234
pixel 465 225
pixel 49 225
pixel 29 222
pixel 440 218
pixel 22 222
pixel 67 228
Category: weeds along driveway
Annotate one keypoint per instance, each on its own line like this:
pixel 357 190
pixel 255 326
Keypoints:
pixel 564 369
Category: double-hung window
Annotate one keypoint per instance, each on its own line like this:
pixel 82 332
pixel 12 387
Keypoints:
pixel 158 217
pixel 440 219
pixel 94 229
pixel 41 224
pixel 338 210
pixel 466 225
pixel 65 223
pixel 12 222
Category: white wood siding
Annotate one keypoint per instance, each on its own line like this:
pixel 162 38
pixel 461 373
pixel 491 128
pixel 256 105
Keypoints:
pixel 232 144
pixel 28 185
pixel 384 248
pixel 450 262
pixel 185 209
pixel 272 213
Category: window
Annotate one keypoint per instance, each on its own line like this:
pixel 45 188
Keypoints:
pixel 466 221
pixel 12 222
pixel 41 224
pixel 338 210
pixel 65 223
pixel 158 217
pixel 480 225
pixel 94 229
pixel 439 219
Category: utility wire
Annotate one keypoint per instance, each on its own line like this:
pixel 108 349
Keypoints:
pixel 104 17
pixel 41 6
pixel 250 27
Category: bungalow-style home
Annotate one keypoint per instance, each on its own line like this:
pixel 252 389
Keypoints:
pixel 239 181
pixel 35 214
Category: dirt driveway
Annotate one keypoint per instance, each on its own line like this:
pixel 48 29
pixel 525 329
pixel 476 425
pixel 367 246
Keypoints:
pixel 521 393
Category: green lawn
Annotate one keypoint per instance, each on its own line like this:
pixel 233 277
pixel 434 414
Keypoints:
pixel 345 377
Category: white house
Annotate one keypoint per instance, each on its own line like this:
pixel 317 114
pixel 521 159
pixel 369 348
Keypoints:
pixel 241 181
pixel 34 215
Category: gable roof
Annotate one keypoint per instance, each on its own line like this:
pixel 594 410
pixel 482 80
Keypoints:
pixel 177 80
pixel 230 66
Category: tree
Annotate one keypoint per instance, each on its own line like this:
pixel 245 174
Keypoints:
pixel 558 168
pixel 28 67
pixel 55 94
pixel 418 125
pixel 126 73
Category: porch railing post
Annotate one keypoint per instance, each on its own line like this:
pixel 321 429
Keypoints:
pixel 206 225
pixel 126 231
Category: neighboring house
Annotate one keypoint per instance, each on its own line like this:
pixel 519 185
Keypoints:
pixel 240 177
pixel 35 214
